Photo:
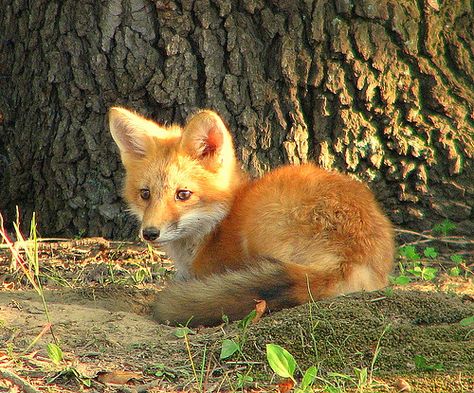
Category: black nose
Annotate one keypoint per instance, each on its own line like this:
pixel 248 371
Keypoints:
pixel 151 233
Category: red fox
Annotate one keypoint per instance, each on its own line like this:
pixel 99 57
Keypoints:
pixel 296 234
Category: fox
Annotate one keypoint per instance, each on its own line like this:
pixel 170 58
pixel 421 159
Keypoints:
pixel 299 233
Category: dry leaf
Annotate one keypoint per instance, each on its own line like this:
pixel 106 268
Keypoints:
pixel 285 386
pixel 117 377
pixel 260 309
pixel 402 386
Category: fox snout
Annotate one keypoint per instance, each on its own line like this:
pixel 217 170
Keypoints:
pixel 150 233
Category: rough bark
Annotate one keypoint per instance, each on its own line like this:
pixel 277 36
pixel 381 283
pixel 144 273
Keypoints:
pixel 379 88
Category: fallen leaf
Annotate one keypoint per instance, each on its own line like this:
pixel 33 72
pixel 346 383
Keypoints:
pixel 402 386
pixel 260 309
pixel 285 386
pixel 117 377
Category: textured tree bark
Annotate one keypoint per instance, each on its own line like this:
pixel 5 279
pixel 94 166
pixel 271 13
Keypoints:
pixel 383 89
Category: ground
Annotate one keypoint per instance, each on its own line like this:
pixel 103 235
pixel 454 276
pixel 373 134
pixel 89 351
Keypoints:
pixel 414 336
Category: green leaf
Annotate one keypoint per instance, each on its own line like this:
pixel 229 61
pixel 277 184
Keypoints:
pixel 388 291
pixel 333 389
pixel 422 364
pixel 243 379
pixel 281 361
pixel 457 259
pixel 467 321
pixel 416 271
pixel 183 331
pixel 401 280
pixel 309 377
pixel 86 382
pixel 55 353
pixel 229 347
pixel 340 376
pixel 160 370
pixel 247 320
pixel 409 252
pixel 429 273
pixel 444 227
pixel 361 374
pixel 455 271
pixel 430 252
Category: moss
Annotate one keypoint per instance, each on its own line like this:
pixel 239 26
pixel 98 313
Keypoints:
pixel 341 334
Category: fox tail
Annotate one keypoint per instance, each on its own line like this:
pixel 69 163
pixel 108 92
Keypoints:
pixel 234 294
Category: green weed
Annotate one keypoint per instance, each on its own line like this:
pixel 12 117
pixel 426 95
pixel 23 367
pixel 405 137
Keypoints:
pixel 444 228
pixel 412 267
pixel 72 373
pixel 230 347
pixel 422 364
pixel 30 265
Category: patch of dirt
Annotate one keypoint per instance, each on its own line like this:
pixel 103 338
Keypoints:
pixel 98 295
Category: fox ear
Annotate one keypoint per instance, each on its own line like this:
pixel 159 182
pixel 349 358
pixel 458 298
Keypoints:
pixel 129 131
pixel 206 138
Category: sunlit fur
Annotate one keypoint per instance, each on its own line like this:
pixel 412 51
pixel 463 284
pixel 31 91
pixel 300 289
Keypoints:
pixel 298 233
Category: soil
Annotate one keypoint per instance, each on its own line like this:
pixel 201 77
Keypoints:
pixel 98 293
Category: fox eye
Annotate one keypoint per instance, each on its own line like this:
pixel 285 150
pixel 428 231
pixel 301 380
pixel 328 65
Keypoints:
pixel 183 195
pixel 145 194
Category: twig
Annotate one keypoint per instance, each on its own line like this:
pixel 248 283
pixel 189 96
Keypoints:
pixel 445 239
pixel 16 380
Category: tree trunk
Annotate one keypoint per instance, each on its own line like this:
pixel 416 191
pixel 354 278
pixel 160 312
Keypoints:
pixel 383 89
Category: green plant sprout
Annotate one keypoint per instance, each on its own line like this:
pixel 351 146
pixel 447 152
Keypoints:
pixel 184 332
pixel 230 347
pixel 30 266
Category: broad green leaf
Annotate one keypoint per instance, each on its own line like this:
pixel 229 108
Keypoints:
pixel 309 377
pixel 229 347
pixel 55 353
pixel 401 280
pixel 281 361
pixel 467 321
pixel 429 273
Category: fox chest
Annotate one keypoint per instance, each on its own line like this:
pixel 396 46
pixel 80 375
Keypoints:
pixel 183 253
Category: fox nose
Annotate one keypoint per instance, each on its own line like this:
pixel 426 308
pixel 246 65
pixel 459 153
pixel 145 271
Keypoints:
pixel 150 233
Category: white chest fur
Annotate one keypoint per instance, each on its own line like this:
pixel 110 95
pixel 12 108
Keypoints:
pixel 182 252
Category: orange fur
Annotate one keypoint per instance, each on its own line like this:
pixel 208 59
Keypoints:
pixel 299 232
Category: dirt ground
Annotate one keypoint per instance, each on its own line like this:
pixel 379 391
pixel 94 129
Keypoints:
pixel 98 293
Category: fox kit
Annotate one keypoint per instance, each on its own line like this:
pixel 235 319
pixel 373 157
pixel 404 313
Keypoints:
pixel 298 233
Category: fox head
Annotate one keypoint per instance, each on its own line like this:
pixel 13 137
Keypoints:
pixel 179 180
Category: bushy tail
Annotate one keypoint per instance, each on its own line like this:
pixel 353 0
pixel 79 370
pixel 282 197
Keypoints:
pixel 204 302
